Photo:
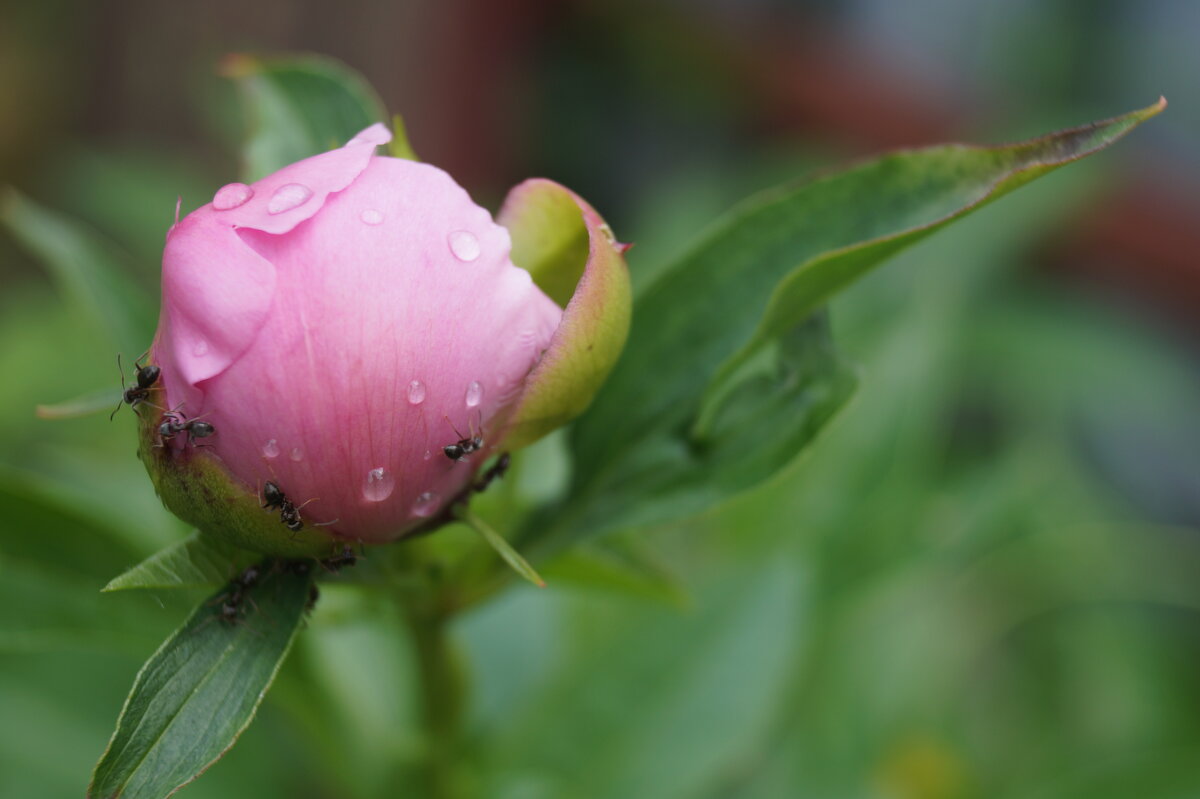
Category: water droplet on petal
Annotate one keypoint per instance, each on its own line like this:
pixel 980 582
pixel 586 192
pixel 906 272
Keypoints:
pixel 426 504
pixel 428 454
pixel 230 196
pixel 416 392
pixel 271 449
pixel 474 394
pixel 371 216
pixel 200 348
pixel 297 454
pixel 287 197
pixel 379 485
pixel 607 232
pixel 464 245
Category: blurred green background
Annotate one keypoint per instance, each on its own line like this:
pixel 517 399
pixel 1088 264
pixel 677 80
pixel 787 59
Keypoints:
pixel 980 582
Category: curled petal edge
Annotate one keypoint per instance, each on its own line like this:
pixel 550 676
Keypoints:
pixel 572 255
pixel 213 315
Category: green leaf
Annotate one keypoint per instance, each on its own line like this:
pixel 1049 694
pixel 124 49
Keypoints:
pixel 86 268
pixel 728 372
pixel 297 106
pixel 620 565
pixel 41 525
pixel 677 701
pixel 200 690
pixel 197 561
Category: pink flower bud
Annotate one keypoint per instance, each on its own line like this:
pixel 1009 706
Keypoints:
pixel 339 324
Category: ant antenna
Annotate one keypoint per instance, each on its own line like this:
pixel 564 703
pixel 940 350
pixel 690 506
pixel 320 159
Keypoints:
pixel 452 427
pixel 120 402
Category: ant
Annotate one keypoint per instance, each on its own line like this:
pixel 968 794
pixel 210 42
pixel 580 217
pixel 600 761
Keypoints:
pixel 494 473
pixel 289 513
pixel 337 562
pixel 231 611
pixel 147 376
pixel 174 422
pixel 459 450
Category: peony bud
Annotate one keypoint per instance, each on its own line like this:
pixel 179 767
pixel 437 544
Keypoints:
pixel 356 335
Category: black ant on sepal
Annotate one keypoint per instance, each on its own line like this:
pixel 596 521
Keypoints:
pixel 495 472
pixel 289 512
pixel 335 563
pixel 147 376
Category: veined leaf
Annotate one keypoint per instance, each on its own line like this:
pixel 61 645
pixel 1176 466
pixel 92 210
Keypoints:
pixel 200 690
pixel 196 561
pixel 297 106
pixel 728 373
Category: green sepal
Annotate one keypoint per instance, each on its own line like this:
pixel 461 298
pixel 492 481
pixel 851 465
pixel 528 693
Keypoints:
pixel 573 257
pixel 195 486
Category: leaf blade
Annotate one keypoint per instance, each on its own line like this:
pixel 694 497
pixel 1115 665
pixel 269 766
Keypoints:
pixel 196 561
pixel 740 304
pixel 195 696
pixel 298 105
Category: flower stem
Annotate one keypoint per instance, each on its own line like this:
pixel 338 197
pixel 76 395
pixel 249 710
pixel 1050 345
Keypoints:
pixel 442 685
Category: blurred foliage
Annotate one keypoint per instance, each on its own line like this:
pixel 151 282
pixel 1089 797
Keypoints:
pixel 979 582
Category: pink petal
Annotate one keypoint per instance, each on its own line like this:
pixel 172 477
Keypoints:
pixel 371 297
pixel 301 189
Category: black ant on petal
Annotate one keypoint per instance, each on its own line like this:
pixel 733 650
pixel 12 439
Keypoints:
pixel 174 423
pixel 466 445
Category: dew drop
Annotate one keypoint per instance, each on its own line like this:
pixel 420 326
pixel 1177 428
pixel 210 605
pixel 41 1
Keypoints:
pixel 464 245
pixel 474 394
pixel 297 454
pixel 428 454
pixel 379 485
pixel 200 348
pixel 287 197
pixel 230 196
pixel 416 392
pixel 608 234
pixel 271 449
pixel 371 216
pixel 426 504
